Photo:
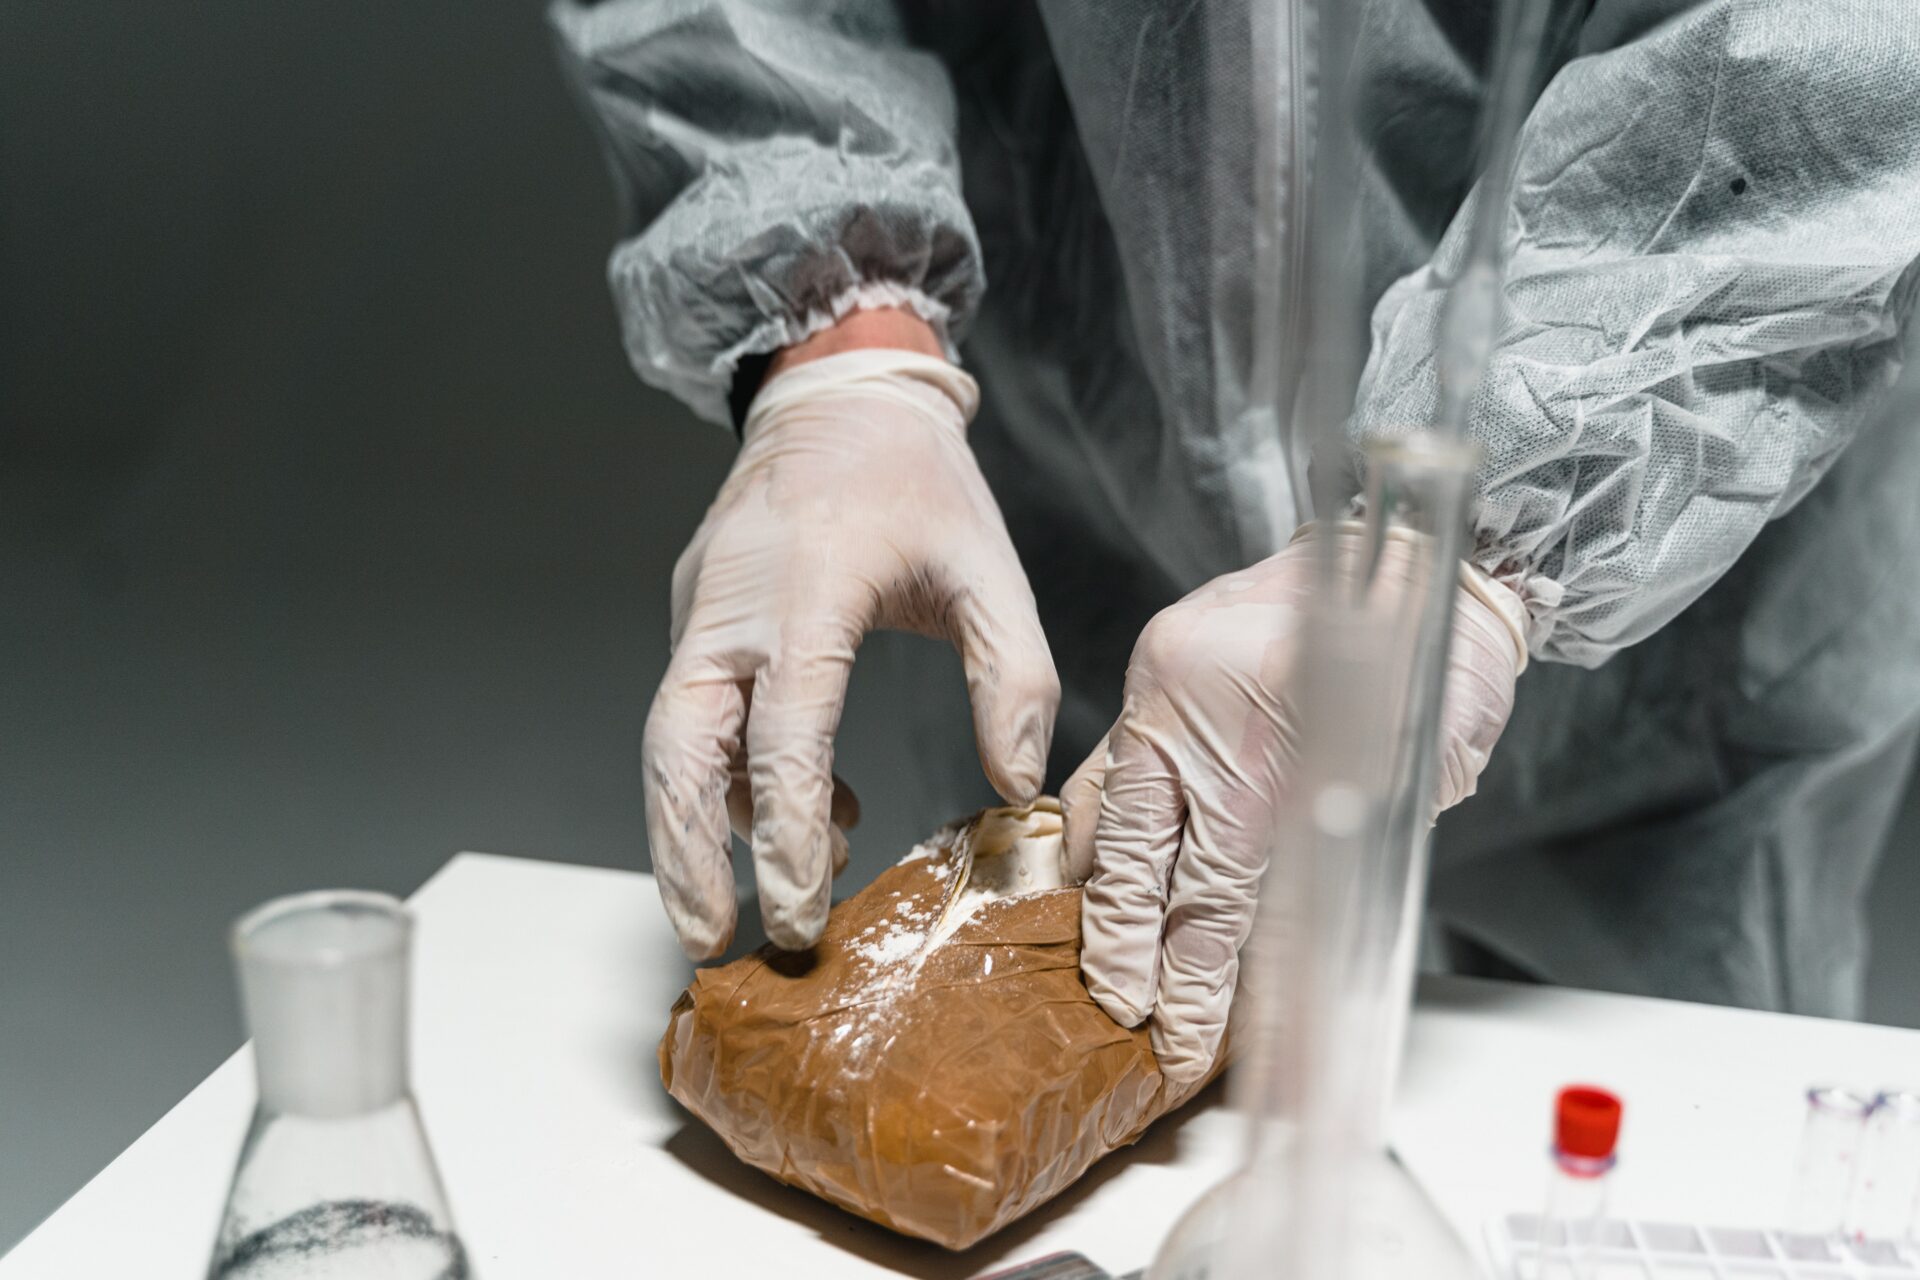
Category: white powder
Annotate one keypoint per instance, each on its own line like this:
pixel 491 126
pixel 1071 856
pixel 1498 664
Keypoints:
pixel 941 839
pixel 1007 853
pixel 891 948
pixel 899 937
pixel 903 935
pixel 890 953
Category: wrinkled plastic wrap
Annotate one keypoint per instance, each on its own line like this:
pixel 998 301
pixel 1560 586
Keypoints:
pixel 935 1064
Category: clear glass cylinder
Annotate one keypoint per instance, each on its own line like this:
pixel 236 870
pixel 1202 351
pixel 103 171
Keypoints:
pixel 335 1178
pixel 1576 1206
pixel 1829 1159
pixel 1416 493
pixel 1329 967
pixel 1328 974
pixel 1887 1186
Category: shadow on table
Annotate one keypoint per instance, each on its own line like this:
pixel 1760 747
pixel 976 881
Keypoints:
pixel 700 1150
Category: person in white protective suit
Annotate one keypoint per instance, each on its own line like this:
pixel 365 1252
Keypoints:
pixel 1691 514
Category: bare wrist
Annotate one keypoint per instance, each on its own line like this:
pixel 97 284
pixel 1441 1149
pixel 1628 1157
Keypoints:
pixel 888 328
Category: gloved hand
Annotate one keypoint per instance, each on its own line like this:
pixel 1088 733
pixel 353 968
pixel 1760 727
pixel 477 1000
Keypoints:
pixel 1170 819
pixel 855 504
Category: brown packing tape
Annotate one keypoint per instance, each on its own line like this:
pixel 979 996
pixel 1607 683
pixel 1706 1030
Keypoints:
pixel 940 1087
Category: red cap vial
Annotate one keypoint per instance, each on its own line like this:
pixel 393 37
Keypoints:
pixel 1586 1122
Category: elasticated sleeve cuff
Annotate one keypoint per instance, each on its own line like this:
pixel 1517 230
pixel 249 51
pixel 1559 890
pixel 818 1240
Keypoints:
pixel 1714 239
pixel 776 171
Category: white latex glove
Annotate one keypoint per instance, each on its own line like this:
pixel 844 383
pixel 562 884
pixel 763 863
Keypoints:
pixel 854 505
pixel 1171 816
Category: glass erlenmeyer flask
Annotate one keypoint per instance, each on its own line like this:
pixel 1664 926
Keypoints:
pixel 335 1178
pixel 1392 1230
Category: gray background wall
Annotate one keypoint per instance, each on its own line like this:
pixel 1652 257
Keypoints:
pixel 334 532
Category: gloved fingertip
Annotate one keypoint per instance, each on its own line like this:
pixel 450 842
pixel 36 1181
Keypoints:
pixel 1080 814
pixel 1077 848
pixel 794 857
pixel 1018 791
pixel 794 923
pixel 1025 774
pixel 696 891
pixel 792 934
pixel 1119 956
pixel 1185 1052
pixel 1117 1004
pixel 703 947
pixel 706 933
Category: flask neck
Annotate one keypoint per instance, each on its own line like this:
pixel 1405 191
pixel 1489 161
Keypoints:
pixel 323 978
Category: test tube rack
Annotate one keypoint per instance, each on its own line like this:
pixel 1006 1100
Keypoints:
pixel 1634 1250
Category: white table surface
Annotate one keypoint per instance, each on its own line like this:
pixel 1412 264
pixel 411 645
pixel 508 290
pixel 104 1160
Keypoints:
pixel 541 991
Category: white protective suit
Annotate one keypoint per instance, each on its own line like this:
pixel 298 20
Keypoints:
pixel 1713 234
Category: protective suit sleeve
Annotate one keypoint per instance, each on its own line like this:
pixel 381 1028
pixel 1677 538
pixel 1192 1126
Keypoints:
pixel 1712 236
pixel 778 164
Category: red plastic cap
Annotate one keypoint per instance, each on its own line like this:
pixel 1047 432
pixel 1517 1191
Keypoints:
pixel 1586 1122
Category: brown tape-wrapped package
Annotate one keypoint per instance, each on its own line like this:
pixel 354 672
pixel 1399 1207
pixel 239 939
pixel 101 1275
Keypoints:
pixel 935 1064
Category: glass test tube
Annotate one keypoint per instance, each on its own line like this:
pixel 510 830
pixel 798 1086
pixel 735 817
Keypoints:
pixel 1888 1183
pixel 1829 1159
pixel 1586 1129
